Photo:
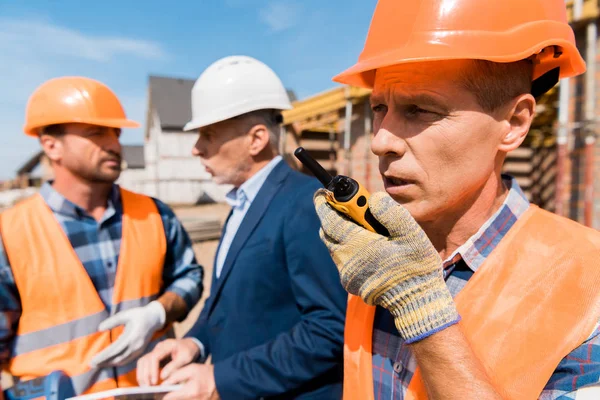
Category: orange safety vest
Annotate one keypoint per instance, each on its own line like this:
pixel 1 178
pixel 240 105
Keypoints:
pixel 61 309
pixel 533 300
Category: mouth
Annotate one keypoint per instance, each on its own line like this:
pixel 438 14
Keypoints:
pixel 393 181
pixel 208 169
pixel 396 186
pixel 112 161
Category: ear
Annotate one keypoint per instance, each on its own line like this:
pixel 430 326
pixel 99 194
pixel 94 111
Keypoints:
pixel 259 139
pixel 52 146
pixel 519 118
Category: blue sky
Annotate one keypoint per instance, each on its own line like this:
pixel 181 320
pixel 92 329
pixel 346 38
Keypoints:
pixel 120 43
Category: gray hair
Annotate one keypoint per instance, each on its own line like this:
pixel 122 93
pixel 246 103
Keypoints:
pixel 270 118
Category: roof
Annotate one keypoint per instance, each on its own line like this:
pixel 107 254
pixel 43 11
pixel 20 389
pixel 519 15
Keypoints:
pixel 291 95
pixel 171 98
pixel 30 164
pixel 133 156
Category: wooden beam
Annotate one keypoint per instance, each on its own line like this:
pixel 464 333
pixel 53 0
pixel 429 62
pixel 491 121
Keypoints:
pixel 589 10
pixel 324 103
pixel 319 122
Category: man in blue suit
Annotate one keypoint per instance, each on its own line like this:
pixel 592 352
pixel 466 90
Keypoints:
pixel 273 324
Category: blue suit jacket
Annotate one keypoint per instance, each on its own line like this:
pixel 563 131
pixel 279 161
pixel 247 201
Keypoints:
pixel 274 321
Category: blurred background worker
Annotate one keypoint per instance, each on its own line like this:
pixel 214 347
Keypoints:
pixel 91 275
pixel 273 323
pixel 476 293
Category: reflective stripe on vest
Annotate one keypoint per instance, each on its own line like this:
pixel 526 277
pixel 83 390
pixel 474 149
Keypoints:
pixel 68 331
pixel 61 309
pixel 533 300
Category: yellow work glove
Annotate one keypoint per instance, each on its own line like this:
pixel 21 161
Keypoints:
pixel 402 273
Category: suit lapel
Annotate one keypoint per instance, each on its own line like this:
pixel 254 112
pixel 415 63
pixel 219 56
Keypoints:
pixel 251 219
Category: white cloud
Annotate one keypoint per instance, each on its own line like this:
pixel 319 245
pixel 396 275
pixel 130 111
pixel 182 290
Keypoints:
pixel 26 36
pixel 279 16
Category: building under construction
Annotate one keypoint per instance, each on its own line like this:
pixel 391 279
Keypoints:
pixel 555 166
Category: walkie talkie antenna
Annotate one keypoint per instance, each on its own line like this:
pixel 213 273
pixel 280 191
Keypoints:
pixel 318 171
pixel 345 194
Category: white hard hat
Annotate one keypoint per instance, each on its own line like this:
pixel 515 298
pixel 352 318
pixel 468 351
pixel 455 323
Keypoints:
pixel 233 86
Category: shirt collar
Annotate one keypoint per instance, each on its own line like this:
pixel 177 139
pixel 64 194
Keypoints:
pixel 476 249
pixel 249 189
pixel 60 205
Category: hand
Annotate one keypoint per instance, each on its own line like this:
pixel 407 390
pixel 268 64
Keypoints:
pixel 140 324
pixel 198 383
pixel 402 273
pixel 181 351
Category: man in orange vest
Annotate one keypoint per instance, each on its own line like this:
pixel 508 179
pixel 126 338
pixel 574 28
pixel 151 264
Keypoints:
pixel 475 293
pixel 91 275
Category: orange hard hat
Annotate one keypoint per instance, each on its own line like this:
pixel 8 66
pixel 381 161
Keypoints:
pixel 498 31
pixel 74 99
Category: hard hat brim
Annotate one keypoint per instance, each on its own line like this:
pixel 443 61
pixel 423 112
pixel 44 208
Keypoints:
pixel 214 118
pixel 107 122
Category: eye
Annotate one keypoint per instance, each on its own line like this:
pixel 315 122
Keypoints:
pixel 413 109
pixel 379 108
pixel 416 112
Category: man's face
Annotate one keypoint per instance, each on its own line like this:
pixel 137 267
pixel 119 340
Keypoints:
pixel 224 151
pixel 437 147
pixel 90 152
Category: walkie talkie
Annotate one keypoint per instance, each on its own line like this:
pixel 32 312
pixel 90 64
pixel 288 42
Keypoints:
pixel 343 193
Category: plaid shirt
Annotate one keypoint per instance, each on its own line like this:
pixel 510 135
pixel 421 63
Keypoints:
pixel 97 245
pixel 394 364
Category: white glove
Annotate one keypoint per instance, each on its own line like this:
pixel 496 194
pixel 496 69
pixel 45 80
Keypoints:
pixel 140 324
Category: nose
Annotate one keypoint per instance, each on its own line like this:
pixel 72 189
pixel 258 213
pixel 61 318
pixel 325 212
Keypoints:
pixel 111 141
pixel 385 142
pixel 197 150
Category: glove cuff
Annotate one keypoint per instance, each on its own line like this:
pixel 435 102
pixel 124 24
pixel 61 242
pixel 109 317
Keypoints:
pixel 421 311
pixel 158 311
